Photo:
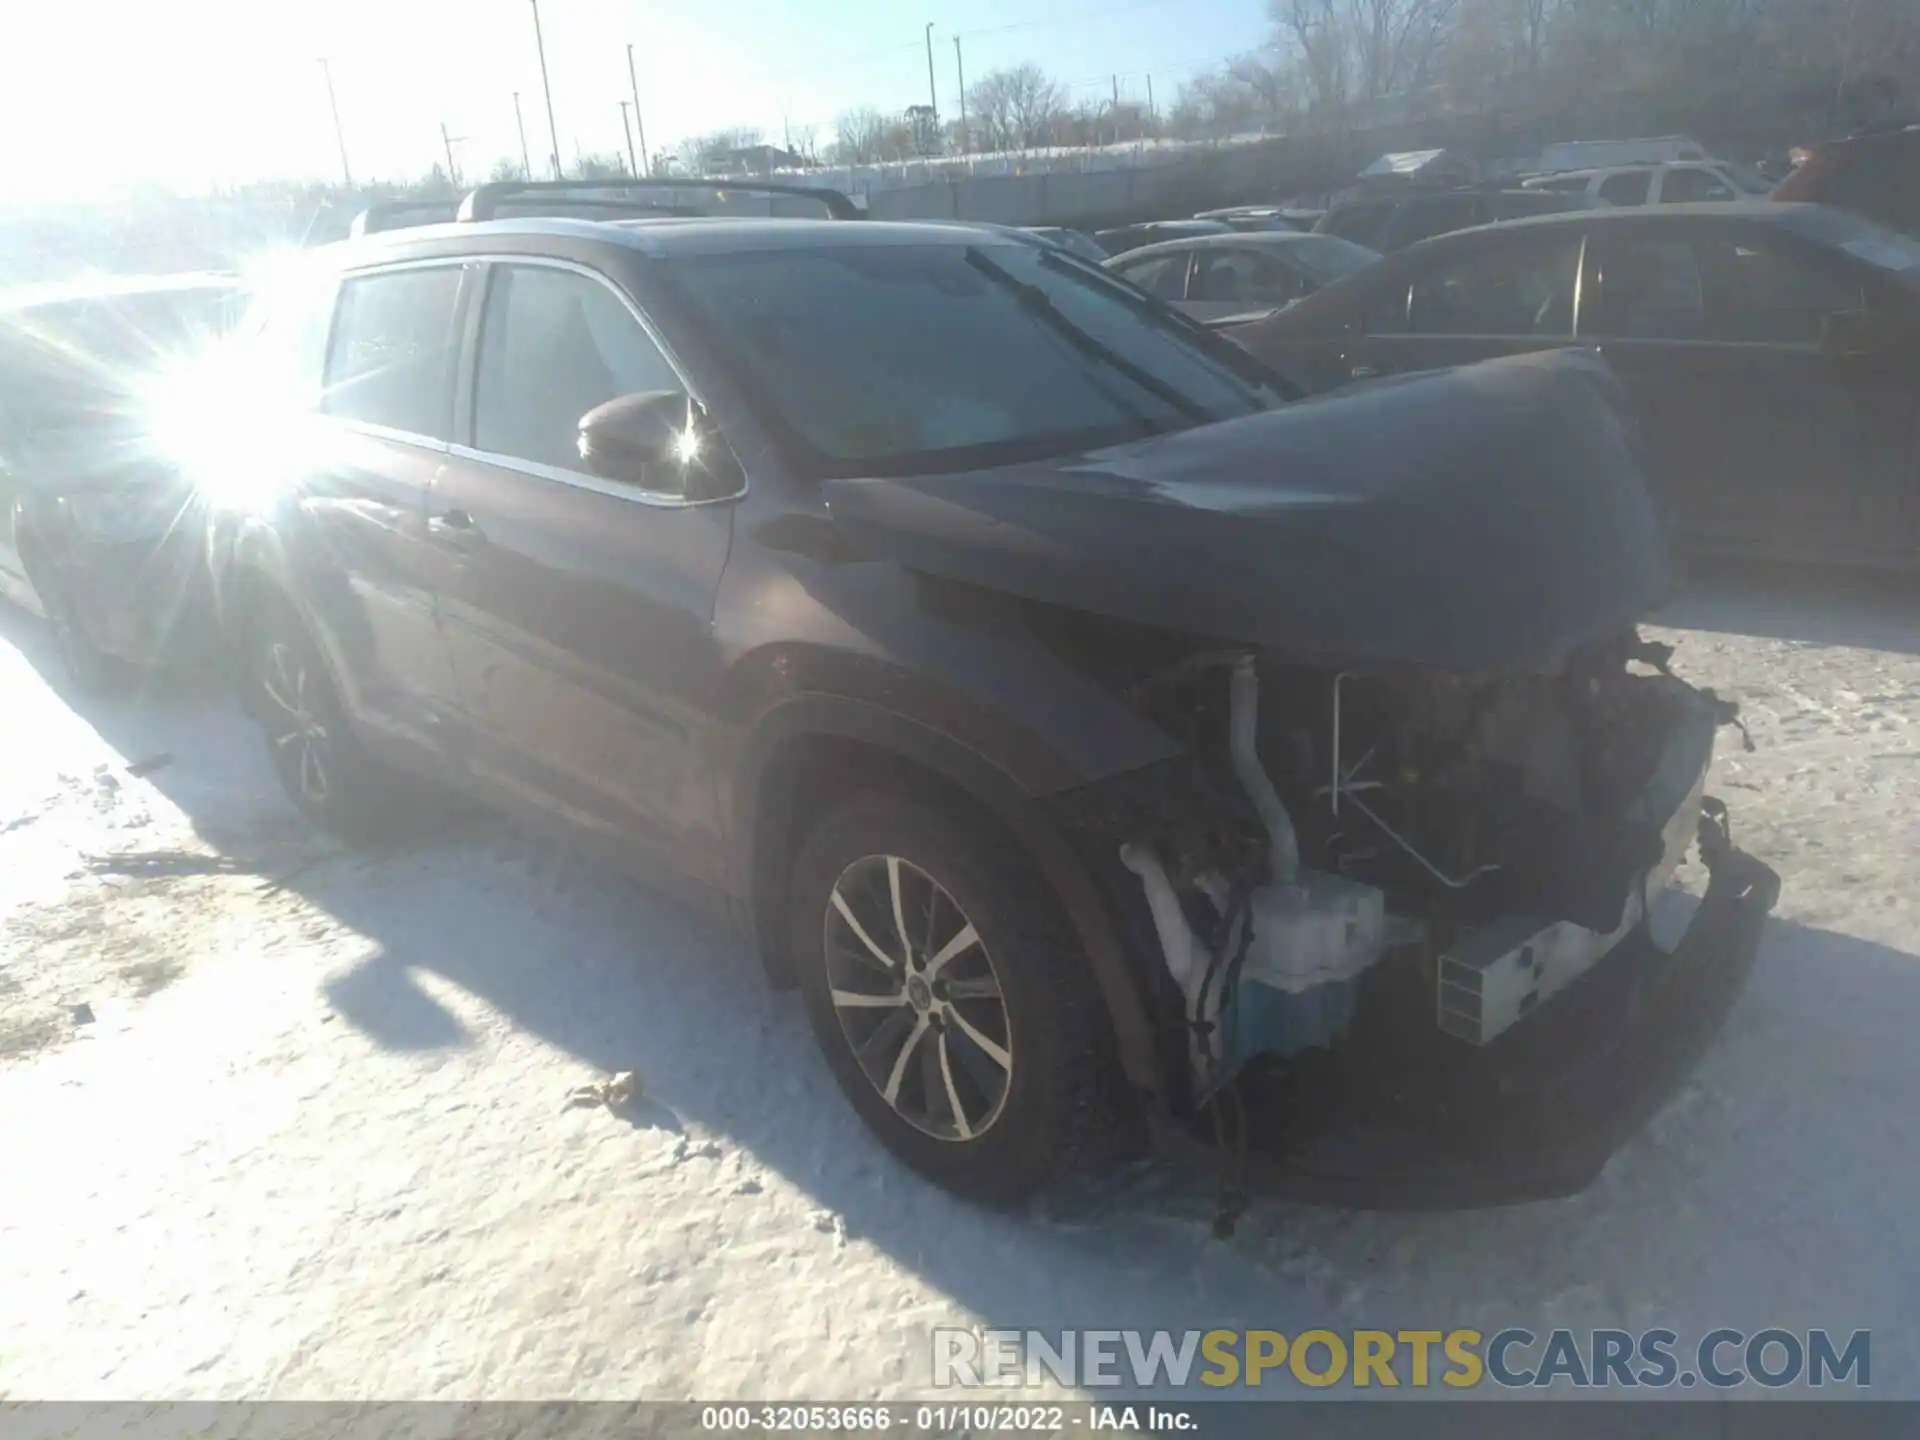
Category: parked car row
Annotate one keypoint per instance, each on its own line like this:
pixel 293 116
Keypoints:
pixel 1772 353
pixel 1104 739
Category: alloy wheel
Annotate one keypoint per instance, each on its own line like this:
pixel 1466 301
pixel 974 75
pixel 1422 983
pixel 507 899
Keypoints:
pixel 300 740
pixel 918 998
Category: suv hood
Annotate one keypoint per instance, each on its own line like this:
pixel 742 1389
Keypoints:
pixel 1488 519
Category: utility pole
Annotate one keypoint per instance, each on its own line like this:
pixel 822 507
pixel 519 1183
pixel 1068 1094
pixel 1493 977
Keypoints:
pixel 960 73
pixel 553 130
pixel 339 135
pixel 633 165
pixel 646 166
pixel 526 162
pixel 933 99
pixel 1152 117
pixel 446 141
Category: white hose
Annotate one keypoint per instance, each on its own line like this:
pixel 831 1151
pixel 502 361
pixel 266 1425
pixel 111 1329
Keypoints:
pixel 1243 728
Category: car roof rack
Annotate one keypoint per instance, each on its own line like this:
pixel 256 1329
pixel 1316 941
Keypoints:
pixel 620 198
pixel 400 214
pixel 486 202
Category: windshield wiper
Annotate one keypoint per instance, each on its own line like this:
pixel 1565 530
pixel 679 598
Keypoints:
pixel 1039 304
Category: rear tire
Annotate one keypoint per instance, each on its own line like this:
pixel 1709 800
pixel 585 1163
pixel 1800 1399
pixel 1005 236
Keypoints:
pixel 86 669
pixel 974 1045
pixel 320 762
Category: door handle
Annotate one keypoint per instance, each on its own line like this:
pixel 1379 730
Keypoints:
pixel 1364 372
pixel 454 528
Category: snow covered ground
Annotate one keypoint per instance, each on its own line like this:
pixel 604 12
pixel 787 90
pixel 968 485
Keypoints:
pixel 279 1121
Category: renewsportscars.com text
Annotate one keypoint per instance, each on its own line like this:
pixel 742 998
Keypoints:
pixel 1416 1359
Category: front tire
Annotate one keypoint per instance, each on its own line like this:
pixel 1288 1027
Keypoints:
pixel 948 998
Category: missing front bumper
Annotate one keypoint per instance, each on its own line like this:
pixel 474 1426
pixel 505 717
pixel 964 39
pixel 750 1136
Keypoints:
pixel 1408 1119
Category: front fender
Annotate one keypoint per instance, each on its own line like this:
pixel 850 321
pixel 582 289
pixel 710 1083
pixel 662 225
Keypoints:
pixel 800 718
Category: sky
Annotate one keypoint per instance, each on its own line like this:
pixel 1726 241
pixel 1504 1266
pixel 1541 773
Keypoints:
pixel 99 94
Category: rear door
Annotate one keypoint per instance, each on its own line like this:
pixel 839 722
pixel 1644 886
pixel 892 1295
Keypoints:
pixel 1758 441
pixel 579 609
pixel 360 555
pixel 1501 294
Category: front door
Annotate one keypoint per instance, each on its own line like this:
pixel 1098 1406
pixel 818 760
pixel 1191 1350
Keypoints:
pixel 579 610
pixel 1758 441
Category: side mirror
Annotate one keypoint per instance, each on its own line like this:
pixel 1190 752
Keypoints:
pixel 659 440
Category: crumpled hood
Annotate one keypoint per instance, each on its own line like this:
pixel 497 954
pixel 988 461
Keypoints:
pixel 1490 518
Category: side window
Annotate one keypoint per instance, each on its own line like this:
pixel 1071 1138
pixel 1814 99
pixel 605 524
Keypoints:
pixel 553 345
pixel 1758 293
pixel 1565 185
pixel 391 361
pixel 1627 187
pixel 1161 275
pixel 1718 290
pixel 1438 217
pixel 1651 290
pixel 1514 291
pixel 1245 276
pixel 1679 187
pixel 1386 312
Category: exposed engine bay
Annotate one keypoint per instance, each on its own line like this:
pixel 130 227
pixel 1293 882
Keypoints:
pixel 1480 842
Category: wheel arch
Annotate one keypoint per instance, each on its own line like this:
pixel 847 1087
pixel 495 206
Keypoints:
pixel 813 749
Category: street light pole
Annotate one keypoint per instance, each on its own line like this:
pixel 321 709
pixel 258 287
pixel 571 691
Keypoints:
pixel 339 135
pixel 633 165
pixel 638 123
pixel 933 100
pixel 446 140
pixel 526 161
pixel 960 73
pixel 553 130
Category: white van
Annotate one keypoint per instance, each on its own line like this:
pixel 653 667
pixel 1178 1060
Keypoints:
pixel 1680 183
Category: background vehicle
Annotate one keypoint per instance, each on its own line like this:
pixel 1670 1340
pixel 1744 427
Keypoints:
pixel 1258 218
pixel 1390 219
pixel 95 523
pixel 914 588
pixel 1123 238
pixel 1592 154
pixel 1214 276
pixel 1074 241
pixel 1770 351
pixel 1680 183
pixel 1873 175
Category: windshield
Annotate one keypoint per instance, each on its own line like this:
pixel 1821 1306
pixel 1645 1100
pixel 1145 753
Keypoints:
pixel 1749 180
pixel 892 359
pixel 1328 258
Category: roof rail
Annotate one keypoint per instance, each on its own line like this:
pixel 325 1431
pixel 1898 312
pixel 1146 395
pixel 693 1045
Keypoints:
pixel 399 214
pixel 486 202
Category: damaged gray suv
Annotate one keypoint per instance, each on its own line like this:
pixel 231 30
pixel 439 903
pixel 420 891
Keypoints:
pixel 1107 745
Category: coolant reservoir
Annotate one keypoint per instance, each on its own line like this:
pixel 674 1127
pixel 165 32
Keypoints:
pixel 1300 979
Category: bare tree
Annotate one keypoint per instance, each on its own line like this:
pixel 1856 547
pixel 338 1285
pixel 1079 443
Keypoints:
pixel 860 136
pixel 1015 108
